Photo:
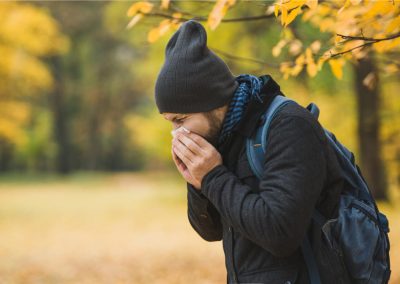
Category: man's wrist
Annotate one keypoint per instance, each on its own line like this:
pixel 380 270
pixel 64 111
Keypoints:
pixel 194 190
pixel 207 176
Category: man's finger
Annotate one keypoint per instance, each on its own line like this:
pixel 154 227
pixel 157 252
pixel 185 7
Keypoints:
pixel 181 155
pixel 190 143
pixel 183 169
pixel 178 162
pixel 174 157
pixel 184 150
pixel 199 140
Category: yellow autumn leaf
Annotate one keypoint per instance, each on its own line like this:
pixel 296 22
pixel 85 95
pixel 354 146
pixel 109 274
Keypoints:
pixel 325 10
pixel 276 10
pixel 337 67
pixel 140 7
pixel 326 24
pixel 176 20
pixel 338 39
pixel 309 56
pixel 276 50
pixel 346 4
pixel 284 66
pixel 284 14
pixel 175 24
pixel 315 46
pixel 165 4
pixel 387 45
pixel 134 20
pixel 218 12
pixel 312 68
pixel 382 46
pixel 295 47
pixel 320 63
pixel 292 15
pixel 157 32
pixel 292 4
pixel 308 14
pixel 296 69
pixel 393 25
pixel 298 65
pixel 177 15
pixel 312 4
pixel 285 69
pixel 383 7
pixel 301 59
pixel 270 10
pixel 379 8
pixel 370 80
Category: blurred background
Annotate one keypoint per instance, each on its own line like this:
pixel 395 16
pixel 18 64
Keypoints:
pixel 88 190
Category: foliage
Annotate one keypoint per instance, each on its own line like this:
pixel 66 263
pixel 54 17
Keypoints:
pixel 354 27
pixel 28 34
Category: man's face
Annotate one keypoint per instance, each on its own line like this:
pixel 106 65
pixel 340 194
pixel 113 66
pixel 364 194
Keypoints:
pixel 206 124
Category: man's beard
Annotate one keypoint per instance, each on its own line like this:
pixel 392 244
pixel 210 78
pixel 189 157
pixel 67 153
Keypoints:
pixel 215 128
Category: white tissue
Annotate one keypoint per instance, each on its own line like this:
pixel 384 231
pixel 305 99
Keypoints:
pixel 173 132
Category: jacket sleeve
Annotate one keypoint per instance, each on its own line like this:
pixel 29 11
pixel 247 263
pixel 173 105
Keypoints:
pixel 275 216
pixel 203 216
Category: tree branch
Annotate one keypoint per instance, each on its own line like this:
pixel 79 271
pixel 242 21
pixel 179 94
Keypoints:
pixel 203 19
pixel 393 36
pixel 369 41
pixel 351 49
pixel 240 58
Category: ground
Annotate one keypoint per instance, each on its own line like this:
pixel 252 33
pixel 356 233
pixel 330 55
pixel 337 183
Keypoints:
pixel 111 228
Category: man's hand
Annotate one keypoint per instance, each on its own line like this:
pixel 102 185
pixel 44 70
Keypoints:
pixel 194 157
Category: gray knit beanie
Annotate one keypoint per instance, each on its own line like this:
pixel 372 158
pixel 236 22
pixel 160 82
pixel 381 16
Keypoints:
pixel 193 78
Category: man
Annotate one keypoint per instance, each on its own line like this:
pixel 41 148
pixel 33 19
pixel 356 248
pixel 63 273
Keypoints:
pixel 261 222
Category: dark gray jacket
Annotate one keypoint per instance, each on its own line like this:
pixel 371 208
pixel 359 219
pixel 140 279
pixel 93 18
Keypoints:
pixel 262 223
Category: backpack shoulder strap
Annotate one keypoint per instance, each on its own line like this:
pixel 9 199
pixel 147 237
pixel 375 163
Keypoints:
pixel 257 144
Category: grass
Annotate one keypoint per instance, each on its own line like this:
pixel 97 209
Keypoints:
pixel 111 228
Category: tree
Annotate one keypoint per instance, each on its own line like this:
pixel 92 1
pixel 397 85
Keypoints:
pixel 28 35
pixel 369 123
pixel 95 89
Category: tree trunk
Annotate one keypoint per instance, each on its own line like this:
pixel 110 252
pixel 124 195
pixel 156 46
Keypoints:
pixel 367 92
pixel 59 117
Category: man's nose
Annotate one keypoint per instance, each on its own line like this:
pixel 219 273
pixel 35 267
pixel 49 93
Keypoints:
pixel 176 125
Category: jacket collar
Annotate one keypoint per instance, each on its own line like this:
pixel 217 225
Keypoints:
pixel 250 120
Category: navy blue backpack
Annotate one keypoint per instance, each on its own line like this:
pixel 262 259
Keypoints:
pixel 358 237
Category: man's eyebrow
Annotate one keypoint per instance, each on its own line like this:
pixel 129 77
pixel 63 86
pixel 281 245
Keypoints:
pixel 178 117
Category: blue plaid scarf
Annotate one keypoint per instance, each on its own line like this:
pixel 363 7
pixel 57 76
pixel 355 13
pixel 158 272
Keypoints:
pixel 249 89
